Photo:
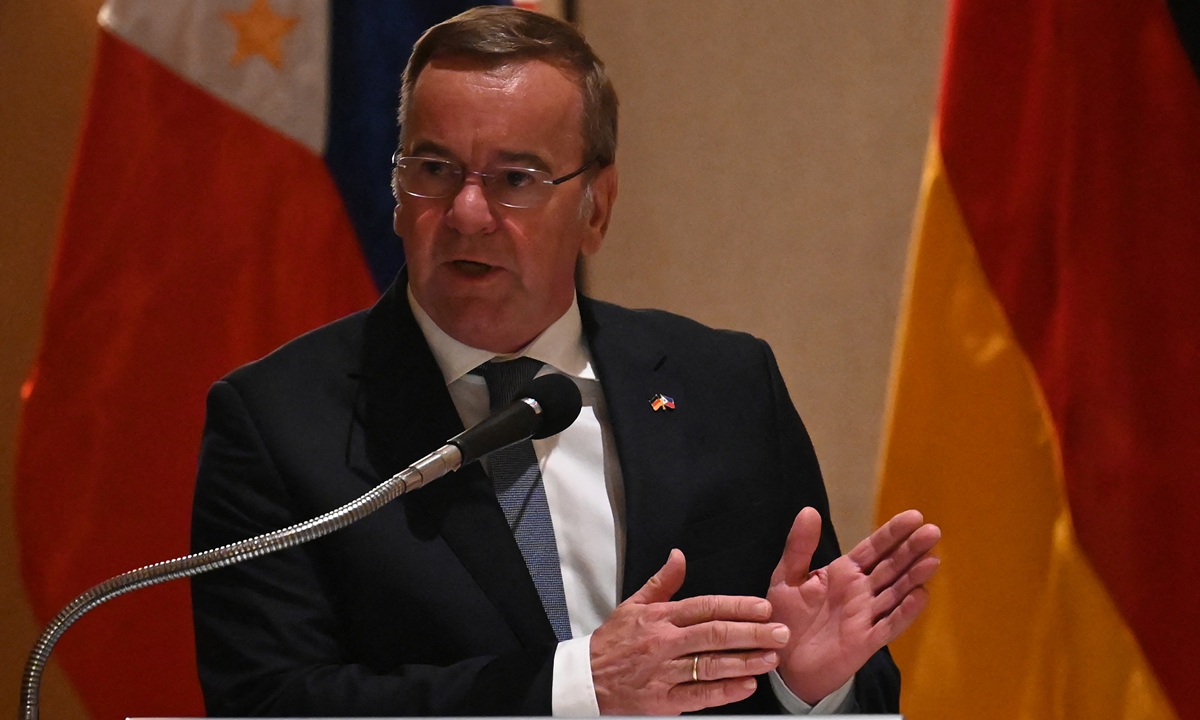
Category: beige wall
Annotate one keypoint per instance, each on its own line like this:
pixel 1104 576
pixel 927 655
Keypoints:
pixel 770 157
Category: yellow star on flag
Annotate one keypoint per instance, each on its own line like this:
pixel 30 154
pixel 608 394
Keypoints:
pixel 259 31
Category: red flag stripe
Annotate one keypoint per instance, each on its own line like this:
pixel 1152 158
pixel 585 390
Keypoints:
pixel 195 239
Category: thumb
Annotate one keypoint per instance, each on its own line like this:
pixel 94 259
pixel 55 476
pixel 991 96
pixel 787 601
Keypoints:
pixel 665 583
pixel 801 543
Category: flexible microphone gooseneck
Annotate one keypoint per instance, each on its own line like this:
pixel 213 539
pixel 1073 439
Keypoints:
pixel 547 406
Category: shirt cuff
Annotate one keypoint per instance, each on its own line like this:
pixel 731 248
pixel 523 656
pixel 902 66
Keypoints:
pixel 838 701
pixel 572 693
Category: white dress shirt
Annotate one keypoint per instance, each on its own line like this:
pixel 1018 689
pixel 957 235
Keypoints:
pixel 584 490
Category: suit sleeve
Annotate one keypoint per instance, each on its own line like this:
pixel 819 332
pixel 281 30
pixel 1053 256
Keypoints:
pixel 877 684
pixel 268 639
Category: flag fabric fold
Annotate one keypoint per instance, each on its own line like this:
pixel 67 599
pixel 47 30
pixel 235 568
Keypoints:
pixel 1043 400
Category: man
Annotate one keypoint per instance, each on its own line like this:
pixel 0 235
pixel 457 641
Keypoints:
pixel 688 487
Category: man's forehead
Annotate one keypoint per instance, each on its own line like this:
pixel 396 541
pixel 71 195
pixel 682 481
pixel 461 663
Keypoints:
pixel 499 68
pixel 536 76
pixel 523 101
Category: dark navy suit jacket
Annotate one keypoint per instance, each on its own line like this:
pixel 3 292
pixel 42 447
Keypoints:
pixel 425 607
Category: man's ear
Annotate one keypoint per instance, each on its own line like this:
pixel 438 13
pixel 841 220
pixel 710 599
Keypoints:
pixel 604 195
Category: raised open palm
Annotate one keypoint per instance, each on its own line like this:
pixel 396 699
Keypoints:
pixel 841 614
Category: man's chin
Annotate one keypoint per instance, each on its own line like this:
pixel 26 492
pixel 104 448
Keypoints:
pixel 481 315
pixel 489 335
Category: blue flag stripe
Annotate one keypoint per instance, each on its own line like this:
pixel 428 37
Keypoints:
pixel 371 42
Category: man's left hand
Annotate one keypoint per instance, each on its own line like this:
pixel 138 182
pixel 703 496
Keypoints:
pixel 841 614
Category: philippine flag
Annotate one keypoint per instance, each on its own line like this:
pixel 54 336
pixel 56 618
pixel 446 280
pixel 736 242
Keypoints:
pixel 230 192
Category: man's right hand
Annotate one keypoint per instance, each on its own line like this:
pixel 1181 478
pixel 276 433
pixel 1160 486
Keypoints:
pixel 643 655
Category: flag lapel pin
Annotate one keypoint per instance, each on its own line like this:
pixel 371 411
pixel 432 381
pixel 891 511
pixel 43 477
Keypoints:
pixel 662 402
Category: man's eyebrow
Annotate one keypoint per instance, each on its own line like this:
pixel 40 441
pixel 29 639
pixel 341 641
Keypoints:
pixel 428 147
pixel 528 159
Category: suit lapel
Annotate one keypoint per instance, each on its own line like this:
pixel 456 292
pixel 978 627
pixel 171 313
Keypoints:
pixel 633 366
pixel 405 412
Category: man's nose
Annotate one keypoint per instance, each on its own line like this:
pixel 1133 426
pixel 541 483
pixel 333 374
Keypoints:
pixel 471 213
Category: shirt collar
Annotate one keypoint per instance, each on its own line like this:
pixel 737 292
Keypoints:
pixel 560 346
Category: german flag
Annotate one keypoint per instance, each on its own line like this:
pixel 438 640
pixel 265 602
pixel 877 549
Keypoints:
pixel 1045 400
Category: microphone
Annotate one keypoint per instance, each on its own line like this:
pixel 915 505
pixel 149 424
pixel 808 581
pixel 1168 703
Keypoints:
pixel 546 406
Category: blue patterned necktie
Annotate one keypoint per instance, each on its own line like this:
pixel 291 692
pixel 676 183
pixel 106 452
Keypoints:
pixel 518 482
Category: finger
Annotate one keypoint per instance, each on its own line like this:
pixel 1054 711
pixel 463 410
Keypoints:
pixel 880 543
pixel 915 547
pixel 690 696
pixel 896 622
pixel 722 666
pixel 722 635
pixel 705 608
pixel 916 576
pixel 665 583
pixel 801 543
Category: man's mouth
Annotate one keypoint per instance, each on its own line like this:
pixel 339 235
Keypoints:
pixel 471 268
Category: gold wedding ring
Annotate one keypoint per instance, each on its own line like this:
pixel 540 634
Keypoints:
pixel 695 668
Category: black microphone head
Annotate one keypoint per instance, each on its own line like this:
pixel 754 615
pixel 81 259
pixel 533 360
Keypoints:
pixel 560 401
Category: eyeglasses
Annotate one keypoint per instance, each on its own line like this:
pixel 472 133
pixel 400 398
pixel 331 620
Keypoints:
pixel 515 187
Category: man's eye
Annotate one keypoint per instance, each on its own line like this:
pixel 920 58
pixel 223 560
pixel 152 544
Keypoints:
pixel 434 168
pixel 515 178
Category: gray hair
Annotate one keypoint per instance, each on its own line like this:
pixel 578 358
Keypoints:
pixel 502 35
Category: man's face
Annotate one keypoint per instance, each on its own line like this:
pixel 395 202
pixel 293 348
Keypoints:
pixel 491 276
